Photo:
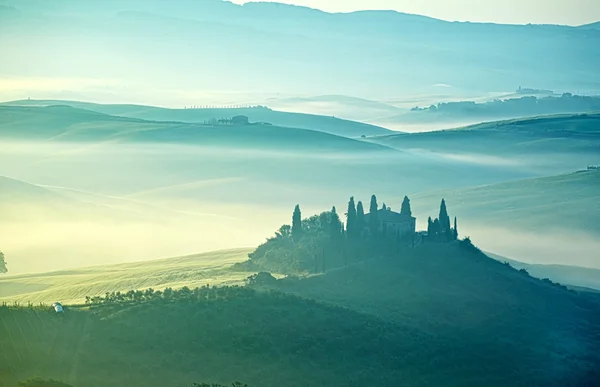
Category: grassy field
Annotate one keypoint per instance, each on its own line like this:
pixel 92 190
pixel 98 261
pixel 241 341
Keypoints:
pixel 72 286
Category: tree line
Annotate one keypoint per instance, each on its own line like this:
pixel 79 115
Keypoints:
pixel 324 241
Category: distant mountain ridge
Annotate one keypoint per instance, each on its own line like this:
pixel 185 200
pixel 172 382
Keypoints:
pixel 286 49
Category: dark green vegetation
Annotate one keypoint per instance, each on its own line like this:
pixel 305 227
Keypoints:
pixel 500 109
pixel 321 242
pixel 39 382
pixel 439 314
pixel 263 114
pixel 285 49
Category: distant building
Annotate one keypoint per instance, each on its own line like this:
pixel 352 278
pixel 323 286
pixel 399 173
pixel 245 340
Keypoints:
pixel 240 120
pixel 394 222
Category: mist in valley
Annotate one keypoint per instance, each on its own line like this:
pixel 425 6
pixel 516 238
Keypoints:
pixel 205 191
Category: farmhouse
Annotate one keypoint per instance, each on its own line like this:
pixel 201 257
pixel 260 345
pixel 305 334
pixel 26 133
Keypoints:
pixel 392 223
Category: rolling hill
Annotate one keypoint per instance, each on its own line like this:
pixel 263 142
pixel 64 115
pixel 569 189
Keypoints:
pixel 417 319
pixel 73 285
pixel 561 142
pixel 229 186
pixel 326 124
pixel 468 112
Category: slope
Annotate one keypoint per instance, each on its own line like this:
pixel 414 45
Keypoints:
pixel 417 319
pixel 458 292
pixel 562 142
pixel 325 124
pixel 563 202
pixel 72 286
pixel 574 276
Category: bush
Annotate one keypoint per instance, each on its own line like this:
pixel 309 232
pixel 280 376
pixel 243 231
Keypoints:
pixel 38 382
pixel 466 244
pixel 261 279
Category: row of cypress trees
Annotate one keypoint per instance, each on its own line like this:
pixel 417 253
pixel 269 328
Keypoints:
pixel 437 229
pixel 356 221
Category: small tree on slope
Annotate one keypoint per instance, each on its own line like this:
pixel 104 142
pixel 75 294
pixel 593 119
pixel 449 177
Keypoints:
pixel 3 268
pixel 297 223
pixel 351 219
pixel 373 216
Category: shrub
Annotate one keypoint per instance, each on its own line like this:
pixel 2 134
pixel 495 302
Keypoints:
pixel 38 382
pixel 261 279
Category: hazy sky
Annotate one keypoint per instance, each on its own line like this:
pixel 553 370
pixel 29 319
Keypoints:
pixel 571 12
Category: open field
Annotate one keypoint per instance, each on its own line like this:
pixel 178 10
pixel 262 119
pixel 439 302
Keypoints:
pixel 72 286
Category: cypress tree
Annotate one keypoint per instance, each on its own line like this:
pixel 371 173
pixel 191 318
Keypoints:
pixel 437 228
pixel 405 210
pixel 297 223
pixel 444 220
pixel 335 224
pixel 351 219
pixel 373 216
pixel 360 218
pixel 455 229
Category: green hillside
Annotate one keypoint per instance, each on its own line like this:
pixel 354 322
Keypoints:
pixel 325 124
pixel 441 315
pixel 72 286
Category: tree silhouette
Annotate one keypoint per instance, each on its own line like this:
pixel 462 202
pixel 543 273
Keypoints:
pixel 437 228
pixel 297 223
pixel 455 229
pixel 429 226
pixel 373 216
pixel 360 218
pixel 3 268
pixel 335 224
pixel 444 220
pixel 405 210
pixel 351 219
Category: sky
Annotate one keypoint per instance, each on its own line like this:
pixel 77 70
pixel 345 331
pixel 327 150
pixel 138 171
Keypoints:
pixel 569 12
